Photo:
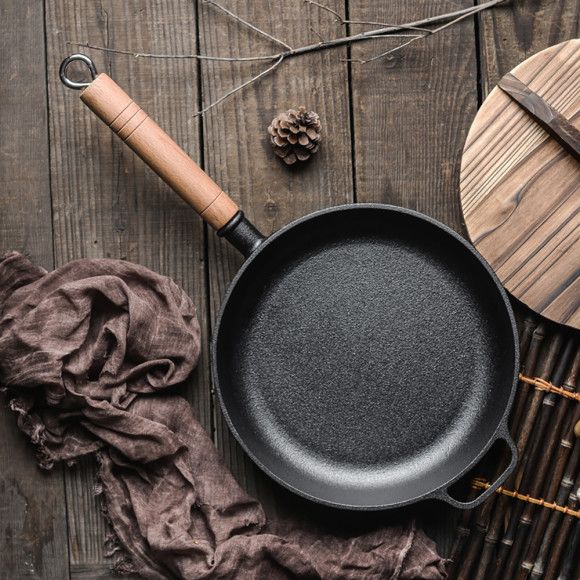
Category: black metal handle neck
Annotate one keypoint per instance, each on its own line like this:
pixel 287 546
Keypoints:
pixel 241 234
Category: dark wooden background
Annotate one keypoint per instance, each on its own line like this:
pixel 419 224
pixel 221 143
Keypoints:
pixel 393 132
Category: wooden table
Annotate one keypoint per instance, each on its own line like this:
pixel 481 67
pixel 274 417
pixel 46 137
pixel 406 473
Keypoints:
pixel 393 132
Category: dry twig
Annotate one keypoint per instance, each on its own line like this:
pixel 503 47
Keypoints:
pixel 413 38
pixel 243 85
pixel 157 55
pixel 344 21
pixel 416 37
pixel 386 30
pixel 248 24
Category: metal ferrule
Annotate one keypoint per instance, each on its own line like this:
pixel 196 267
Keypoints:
pixel 241 234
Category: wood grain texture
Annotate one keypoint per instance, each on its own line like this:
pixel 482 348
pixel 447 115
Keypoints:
pixel 238 154
pixel 511 33
pixel 519 189
pixel 107 203
pixel 412 110
pixel 32 502
pixel 411 114
pixel 542 112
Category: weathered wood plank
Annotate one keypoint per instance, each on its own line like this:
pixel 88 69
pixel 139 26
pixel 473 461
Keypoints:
pixel 32 524
pixel 238 153
pixel 412 110
pixel 106 202
pixel 510 34
pixel 411 113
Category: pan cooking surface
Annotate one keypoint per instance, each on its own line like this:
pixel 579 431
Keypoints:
pixel 359 353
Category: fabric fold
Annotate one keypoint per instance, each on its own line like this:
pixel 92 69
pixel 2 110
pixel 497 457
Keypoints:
pixel 87 353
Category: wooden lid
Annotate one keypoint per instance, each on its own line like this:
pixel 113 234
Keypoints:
pixel 520 189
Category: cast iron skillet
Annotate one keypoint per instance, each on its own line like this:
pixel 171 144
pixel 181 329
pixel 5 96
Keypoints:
pixel 364 356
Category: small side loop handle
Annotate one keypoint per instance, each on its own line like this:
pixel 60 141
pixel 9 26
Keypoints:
pixel 76 84
pixel 443 494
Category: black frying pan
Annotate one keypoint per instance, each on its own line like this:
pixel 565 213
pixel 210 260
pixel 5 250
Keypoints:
pixel 365 356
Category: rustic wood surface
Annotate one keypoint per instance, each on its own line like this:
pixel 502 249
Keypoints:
pixel 520 188
pixel 541 111
pixel 393 132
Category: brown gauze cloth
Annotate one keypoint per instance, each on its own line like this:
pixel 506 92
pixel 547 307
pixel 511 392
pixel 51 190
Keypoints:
pixel 86 352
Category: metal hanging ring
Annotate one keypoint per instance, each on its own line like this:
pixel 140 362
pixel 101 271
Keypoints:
pixel 75 84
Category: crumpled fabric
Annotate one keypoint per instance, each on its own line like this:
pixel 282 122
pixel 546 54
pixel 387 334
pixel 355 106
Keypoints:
pixel 86 354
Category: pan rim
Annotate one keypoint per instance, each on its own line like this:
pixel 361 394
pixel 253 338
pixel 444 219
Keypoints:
pixel 501 428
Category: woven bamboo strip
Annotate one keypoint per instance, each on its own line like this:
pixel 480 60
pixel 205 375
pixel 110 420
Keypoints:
pixel 543 385
pixel 478 483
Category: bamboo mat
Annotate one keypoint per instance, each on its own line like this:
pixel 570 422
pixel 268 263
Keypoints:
pixel 531 527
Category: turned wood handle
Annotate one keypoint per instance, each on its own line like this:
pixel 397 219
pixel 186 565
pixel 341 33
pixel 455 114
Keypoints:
pixel 113 106
pixel 543 113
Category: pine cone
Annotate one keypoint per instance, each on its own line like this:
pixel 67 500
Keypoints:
pixel 295 135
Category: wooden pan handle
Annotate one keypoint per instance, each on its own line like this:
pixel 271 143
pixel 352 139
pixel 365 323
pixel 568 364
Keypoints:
pixel 113 106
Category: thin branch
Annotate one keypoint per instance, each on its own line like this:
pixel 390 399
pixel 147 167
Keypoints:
pixel 367 35
pixel 161 56
pixel 248 24
pixel 311 27
pixel 344 21
pixel 373 23
pixel 328 9
pixel 395 28
pixel 240 87
pixel 396 36
pixel 387 52
pixel 472 11
pixel 449 19
pixel 316 33
pixel 475 10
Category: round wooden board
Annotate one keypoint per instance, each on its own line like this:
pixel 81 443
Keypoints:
pixel 520 189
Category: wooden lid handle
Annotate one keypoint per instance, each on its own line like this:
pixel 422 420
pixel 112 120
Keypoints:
pixel 113 106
